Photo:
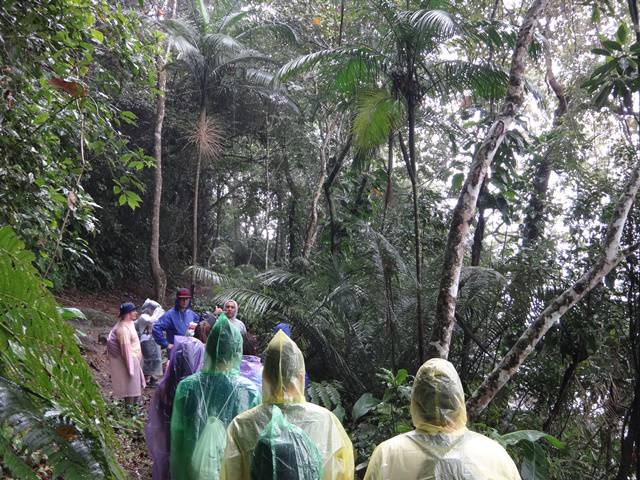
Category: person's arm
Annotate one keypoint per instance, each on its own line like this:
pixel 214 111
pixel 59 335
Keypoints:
pixel 125 350
pixel 341 466
pixel 159 328
pixel 233 465
pixel 373 469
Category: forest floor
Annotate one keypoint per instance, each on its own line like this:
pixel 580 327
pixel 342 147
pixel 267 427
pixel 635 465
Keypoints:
pixel 102 310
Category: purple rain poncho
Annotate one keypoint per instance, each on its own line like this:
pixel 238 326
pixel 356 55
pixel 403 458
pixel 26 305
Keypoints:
pixel 251 368
pixel 186 358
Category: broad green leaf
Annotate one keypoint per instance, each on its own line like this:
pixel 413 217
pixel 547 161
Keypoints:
pixel 339 412
pixel 622 34
pixel 97 35
pixel 612 45
pixel 531 436
pixel 70 313
pixel 363 406
pixel 401 376
pixel 41 118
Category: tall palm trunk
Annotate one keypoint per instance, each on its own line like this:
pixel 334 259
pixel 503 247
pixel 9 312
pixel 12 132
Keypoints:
pixel 196 193
pixel 416 225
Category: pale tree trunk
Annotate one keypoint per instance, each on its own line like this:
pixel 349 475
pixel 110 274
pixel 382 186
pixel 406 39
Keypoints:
pixel 157 273
pixel 196 193
pixel 312 225
pixel 609 258
pixel 534 221
pixel 465 208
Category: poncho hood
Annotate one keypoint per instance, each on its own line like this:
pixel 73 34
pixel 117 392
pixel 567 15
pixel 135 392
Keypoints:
pixel 283 374
pixel 223 352
pixel 437 398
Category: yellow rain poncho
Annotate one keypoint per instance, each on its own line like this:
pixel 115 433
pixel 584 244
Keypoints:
pixel 441 447
pixel 205 403
pixel 283 386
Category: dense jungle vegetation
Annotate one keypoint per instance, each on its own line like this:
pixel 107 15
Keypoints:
pixel 397 180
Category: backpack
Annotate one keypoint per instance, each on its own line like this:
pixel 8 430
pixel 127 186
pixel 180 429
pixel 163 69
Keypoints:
pixel 208 453
pixel 285 452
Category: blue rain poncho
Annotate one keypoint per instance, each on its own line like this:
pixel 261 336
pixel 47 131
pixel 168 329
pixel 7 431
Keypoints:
pixel 205 403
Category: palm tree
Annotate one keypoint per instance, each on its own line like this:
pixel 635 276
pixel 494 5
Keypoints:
pixel 397 73
pixel 210 47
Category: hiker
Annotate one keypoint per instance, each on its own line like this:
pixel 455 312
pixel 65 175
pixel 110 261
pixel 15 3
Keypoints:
pixel 125 355
pixel 202 330
pixel 440 447
pixel 231 311
pixel 206 402
pixel 251 365
pixel 185 358
pixel 283 386
pixel 176 321
pixel 150 312
pixel 285 452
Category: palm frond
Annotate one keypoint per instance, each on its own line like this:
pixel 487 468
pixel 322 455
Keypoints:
pixel 281 277
pixel 46 430
pixel 255 302
pixel 181 31
pixel 202 13
pixel 216 44
pixel 378 114
pixel 434 23
pixel 305 63
pixel 226 22
pixel 484 80
pixel 279 29
pixel 205 275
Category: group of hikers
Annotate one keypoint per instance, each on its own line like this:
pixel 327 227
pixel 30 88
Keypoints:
pixel 220 413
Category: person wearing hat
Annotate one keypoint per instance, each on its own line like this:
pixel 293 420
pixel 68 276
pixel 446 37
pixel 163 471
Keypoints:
pixel 176 321
pixel 125 356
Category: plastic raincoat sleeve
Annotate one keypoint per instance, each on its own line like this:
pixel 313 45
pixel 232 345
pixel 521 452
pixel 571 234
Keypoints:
pixel 159 328
pixel 441 447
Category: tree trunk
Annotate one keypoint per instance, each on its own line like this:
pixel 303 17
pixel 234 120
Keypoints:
pixel 157 273
pixel 327 186
pixel 312 226
pixel 389 190
pixel 534 221
pixel 567 378
pixel 609 258
pixel 196 193
pixel 293 208
pixel 478 234
pixel 464 210
pixel 410 161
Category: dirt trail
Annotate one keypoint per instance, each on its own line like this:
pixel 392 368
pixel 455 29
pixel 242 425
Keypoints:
pixel 102 310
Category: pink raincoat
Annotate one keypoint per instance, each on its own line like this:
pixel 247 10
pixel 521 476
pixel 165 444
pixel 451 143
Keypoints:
pixel 125 355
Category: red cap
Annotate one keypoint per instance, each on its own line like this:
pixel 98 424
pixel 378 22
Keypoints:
pixel 183 293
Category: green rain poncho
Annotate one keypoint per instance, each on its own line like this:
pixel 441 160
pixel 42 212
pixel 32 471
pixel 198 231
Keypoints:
pixel 205 403
pixel 283 386
pixel 441 447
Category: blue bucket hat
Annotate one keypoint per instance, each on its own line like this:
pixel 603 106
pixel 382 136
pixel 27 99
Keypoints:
pixel 126 308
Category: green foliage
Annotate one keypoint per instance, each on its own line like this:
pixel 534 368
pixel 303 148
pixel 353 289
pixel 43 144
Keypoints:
pixel 39 356
pixel 58 120
pixel 534 457
pixel 618 76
